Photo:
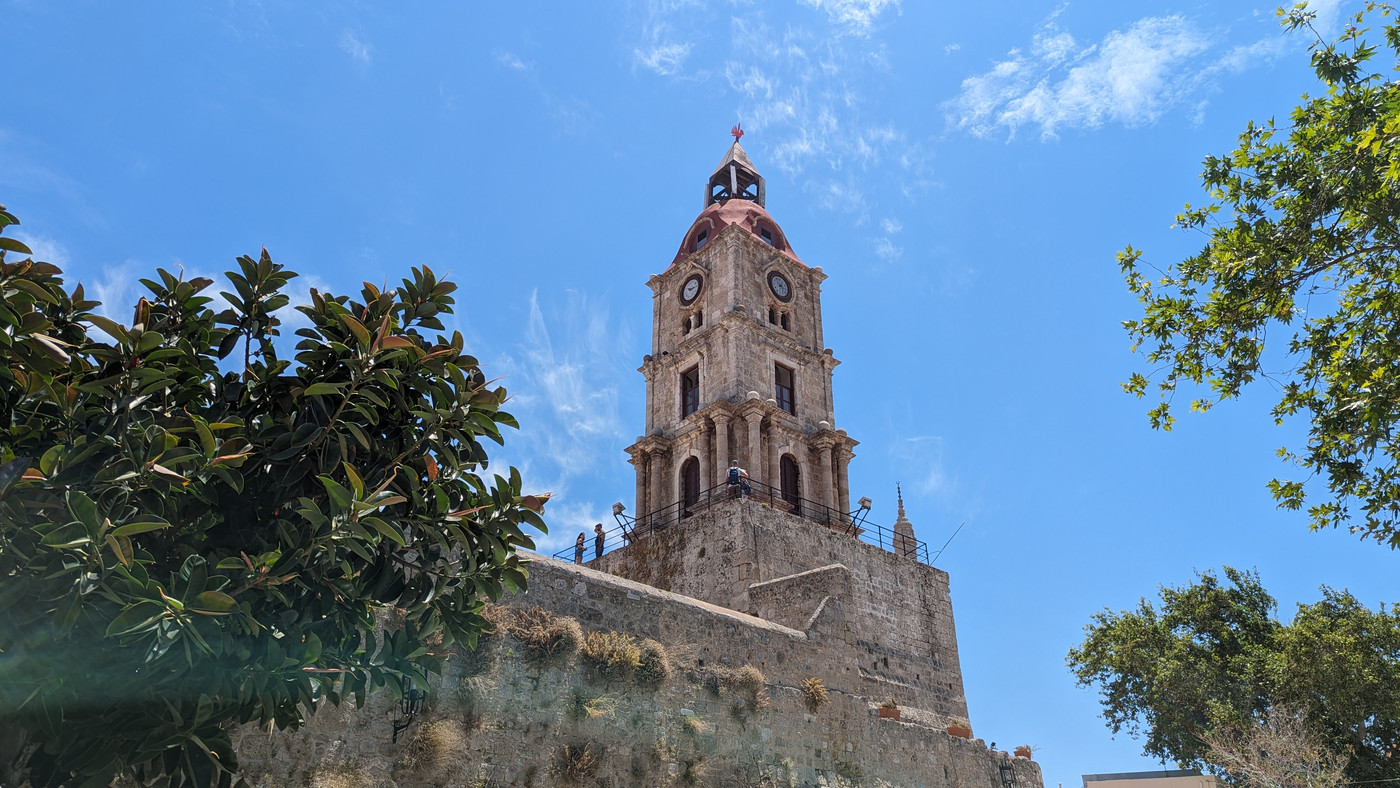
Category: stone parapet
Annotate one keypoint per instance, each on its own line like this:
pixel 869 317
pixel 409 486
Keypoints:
pixel 897 617
pixel 496 718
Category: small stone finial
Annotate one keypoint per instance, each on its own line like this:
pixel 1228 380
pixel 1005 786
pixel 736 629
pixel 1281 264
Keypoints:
pixel 905 543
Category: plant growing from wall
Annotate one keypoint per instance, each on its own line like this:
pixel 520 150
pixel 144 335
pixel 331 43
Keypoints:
pixel 436 746
pixel 586 707
pixel 576 763
pixel 196 532
pixel 542 635
pixel 750 683
pixel 654 664
pixel 814 692
pixel 610 656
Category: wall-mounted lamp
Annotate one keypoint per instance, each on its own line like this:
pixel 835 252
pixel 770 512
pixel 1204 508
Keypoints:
pixel 1008 772
pixel 409 707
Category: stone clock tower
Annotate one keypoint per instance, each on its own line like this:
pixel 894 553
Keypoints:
pixel 738 369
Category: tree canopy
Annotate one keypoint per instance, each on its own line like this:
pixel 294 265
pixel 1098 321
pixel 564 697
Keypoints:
pixel 196 532
pixel 1213 662
pixel 1303 239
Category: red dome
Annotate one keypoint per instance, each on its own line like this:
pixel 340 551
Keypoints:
pixel 745 213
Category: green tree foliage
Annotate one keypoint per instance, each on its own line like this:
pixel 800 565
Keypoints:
pixel 195 532
pixel 1213 661
pixel 1303 234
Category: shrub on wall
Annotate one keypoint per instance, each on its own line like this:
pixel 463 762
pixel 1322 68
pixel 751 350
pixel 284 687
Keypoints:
pixel 749 683
pixel 655 665
pixel 576 763
pixel 544 636
pixel 612 656
pixel 436 745
pixel 815 693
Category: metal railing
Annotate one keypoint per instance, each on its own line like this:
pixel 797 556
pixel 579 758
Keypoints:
pixel 630 529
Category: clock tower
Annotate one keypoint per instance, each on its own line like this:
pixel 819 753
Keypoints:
pixel 738 369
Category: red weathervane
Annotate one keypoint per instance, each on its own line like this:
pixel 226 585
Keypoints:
pixel 737 131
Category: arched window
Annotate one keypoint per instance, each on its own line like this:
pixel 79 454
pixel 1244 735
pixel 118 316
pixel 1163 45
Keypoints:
pixel 690 485
pixel 790 483
pixel 784 320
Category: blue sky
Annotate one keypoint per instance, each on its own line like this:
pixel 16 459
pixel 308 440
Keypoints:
pixel 963 172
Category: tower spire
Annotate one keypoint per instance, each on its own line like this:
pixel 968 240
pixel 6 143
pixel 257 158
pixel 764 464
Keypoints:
pixel 735 177
pixel 904 541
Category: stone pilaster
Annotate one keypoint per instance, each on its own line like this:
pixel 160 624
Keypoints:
pixel 823 444
pixel 755 420
pixel 721 421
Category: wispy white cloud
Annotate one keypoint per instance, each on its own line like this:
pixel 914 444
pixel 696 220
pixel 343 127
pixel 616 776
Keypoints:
pixel 355 48
pixel 45 249
pixel 572 115
pixel 885 247
pixel 512 61
pixel 668 34
pixel 564 376
pixel 1329 14
pixel 802 89
pixel 855 16
pixel 664 59
pixel 116 287
pixel 1130 77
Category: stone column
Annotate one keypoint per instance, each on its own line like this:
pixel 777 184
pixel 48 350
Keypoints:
pixel 640 461
pixel 721 446
pixel 843 480
pixel 659 472
pixel 828 489
pixel 755 419
pixel 774 438
pixel 705 482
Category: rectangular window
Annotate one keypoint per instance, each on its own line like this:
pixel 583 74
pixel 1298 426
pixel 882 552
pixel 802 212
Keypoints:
pixel 690 391
pixel 782 377
pixel 765 235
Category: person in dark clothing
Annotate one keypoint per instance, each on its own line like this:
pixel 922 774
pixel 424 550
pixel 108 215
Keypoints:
pixel 598 539
pixel 738 480
pixel 578 549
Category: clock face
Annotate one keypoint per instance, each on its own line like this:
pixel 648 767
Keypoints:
pixel 691 289
pixel 780 287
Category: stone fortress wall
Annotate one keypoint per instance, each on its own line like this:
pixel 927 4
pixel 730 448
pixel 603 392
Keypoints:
pixel 886 620
pixel 497 718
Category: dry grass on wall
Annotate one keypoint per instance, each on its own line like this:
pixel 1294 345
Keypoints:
pixel 610 656
pixel 654 665
pixel 543 636
pixel 438 747
pixel 349 775
pixel 576 763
